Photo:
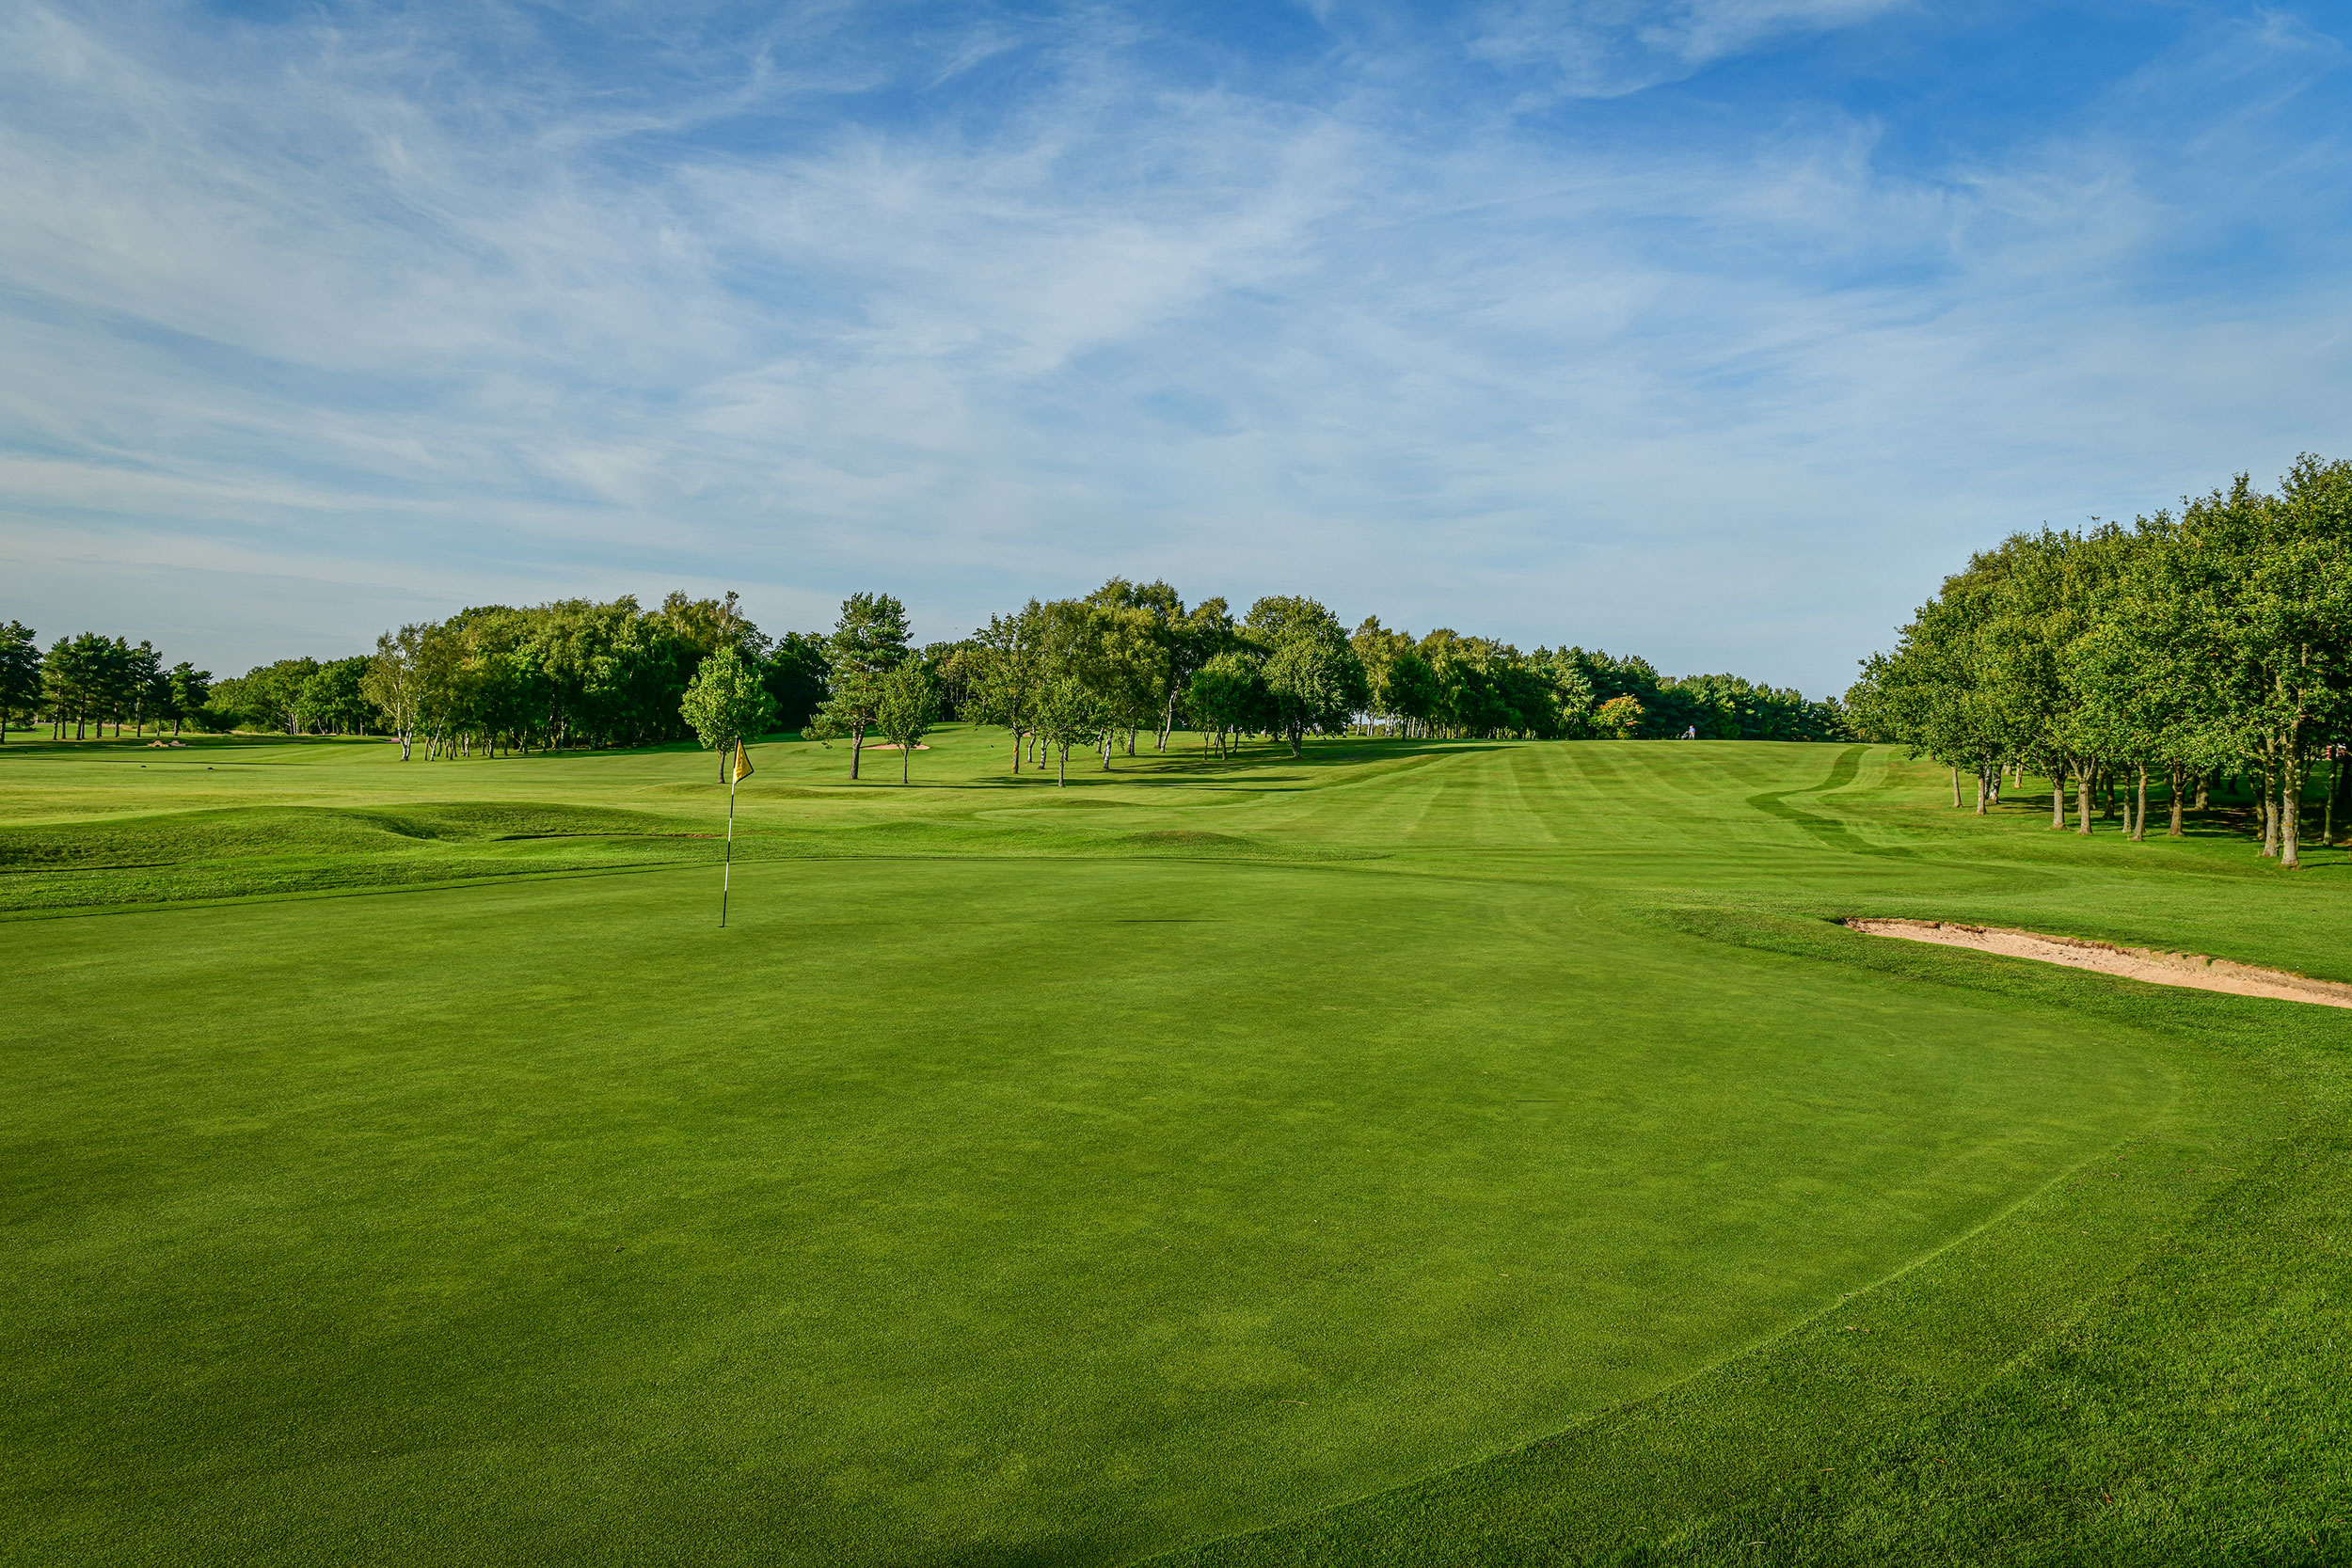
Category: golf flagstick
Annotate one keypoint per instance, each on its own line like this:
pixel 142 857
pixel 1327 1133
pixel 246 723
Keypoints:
pixel 735 776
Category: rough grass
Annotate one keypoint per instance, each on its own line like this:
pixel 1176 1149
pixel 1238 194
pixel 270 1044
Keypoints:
pixel 1414 1153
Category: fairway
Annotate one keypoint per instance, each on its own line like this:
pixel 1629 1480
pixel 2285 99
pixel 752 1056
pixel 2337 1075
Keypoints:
pixel 401 1164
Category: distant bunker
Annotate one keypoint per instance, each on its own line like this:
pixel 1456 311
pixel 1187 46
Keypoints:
pixel 2192 970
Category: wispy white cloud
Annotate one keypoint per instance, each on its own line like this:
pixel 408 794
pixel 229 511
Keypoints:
pixel 1608 48
pixel 779 309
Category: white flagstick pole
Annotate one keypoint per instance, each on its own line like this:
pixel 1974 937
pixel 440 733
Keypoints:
pixel 727 876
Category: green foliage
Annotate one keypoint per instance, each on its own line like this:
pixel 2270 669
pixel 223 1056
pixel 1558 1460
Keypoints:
pixel 270 696
pixel 1411 691
pixel 573 673
pixel 1070 714
pixel 2217 642
pixel 906 708
pixel 332 700
pixel 186 691
pixel 1000 674
pixel 393 682
pixel 85 679
pixel 569 673
pixel 1313 675
pixel 870 636
pixel 20 674
pixel 795 673
pixel 1228 696
pixel 1451 685
pixel 868 640
pixel 727 704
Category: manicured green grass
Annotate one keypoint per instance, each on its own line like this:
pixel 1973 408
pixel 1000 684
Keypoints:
pixel 1413 1153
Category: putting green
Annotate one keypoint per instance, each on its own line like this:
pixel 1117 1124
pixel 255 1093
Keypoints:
pixel 1022 1176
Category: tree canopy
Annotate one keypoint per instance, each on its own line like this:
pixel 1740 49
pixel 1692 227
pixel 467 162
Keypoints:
pixel 2215 640
pixel 726 703
pixel 1128 662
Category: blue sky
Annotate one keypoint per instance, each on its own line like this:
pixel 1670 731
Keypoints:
pixel 1715 330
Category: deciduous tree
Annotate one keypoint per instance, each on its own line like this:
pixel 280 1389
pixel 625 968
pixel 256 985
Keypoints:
pixel 906 707
pixel 727 704
pixel 1315 677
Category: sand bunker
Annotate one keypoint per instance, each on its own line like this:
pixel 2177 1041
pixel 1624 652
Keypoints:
pixel 892 745
pixel 2192 970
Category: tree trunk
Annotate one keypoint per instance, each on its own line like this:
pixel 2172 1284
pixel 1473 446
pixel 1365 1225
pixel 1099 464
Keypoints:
pixel 1981 790
pixel 2204 798
pixel 1955 786
pixel 1018 738
pixel 2291 808
pixel 906 759
pixel 2140 818
pixel 2083 773
pixel 1061 780
pixel 2058 799
pixel 2335 793
pixel 857 744
pixel 2179 780
pixel 2269 788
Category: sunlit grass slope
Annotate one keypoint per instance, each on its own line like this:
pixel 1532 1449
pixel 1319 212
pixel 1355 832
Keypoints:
pixel 1246 1159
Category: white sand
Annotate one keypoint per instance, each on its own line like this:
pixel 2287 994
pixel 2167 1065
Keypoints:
pixel 2192 970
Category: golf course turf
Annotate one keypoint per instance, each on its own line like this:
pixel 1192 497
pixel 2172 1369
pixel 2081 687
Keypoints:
pixel 1417 1153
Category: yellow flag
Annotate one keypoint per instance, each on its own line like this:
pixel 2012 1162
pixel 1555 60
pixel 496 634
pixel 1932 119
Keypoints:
pixel 743 762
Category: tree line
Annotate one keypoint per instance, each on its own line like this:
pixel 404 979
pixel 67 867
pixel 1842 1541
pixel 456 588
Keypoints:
pixel 2186 650
pixel 1087 675
pixel 90 680
pixel 1095 674
pixel 569 673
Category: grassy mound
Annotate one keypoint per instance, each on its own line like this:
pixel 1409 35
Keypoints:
pixel 227 852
